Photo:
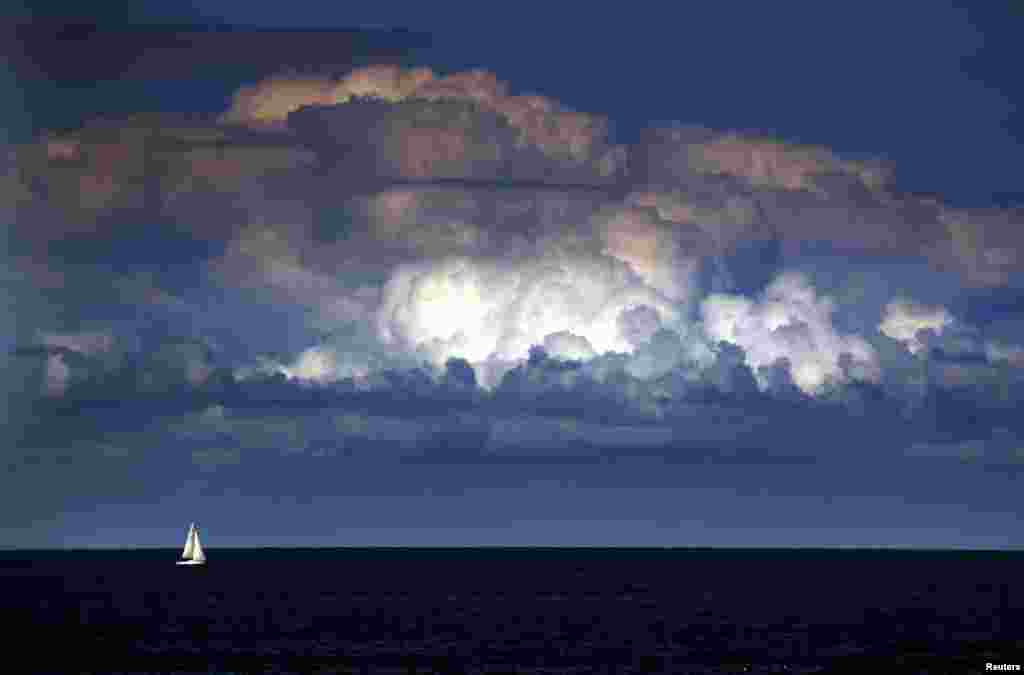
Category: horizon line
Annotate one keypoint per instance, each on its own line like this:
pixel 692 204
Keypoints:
pixel 567 547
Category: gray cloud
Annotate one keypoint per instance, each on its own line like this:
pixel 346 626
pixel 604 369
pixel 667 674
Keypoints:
pixel 403 257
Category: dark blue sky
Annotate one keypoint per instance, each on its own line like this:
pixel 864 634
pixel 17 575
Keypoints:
pixel 439 322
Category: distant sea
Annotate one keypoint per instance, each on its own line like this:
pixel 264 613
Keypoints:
pixel 500 610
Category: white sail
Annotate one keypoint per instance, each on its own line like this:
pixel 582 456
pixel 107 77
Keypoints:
pixel 190 539
pixel 197 548
pixel 193 553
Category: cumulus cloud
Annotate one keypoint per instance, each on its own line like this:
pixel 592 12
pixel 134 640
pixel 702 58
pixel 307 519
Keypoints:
pixel 741 186
pixel 904 318
pixel 536 121
pixel 961 354
pixel 664 257
pixel 639 324
pixel 497 309
pixel 272 99
pixel 566 345
pixel 507 238
pixel 789 321
pixel 984 244
pixel 401 265
pixel 727 187
pixel 671 155
pixel 320 364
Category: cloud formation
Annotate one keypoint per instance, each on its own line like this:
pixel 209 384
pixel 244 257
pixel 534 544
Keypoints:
pixel 472 130
pixel 903 319
pixel 497 309
pixel 397 235
pixel 790 322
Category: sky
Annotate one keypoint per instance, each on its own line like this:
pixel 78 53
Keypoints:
pixel 407 276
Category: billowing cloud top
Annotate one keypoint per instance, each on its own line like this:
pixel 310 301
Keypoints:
pixel 401 236
pixel 790 322
pixel 486 124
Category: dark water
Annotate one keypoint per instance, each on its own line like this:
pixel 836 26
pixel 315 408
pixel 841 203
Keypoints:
pixel 518 611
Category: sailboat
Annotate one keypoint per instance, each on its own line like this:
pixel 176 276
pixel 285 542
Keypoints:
pixel 193 553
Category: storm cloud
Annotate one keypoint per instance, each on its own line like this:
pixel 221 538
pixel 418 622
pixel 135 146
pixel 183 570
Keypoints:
pixel 433 267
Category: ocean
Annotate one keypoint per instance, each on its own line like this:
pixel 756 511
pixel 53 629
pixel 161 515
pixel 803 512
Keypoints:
pixel 500 610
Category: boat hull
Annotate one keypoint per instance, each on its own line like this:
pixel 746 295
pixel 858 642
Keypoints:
pixel 191 562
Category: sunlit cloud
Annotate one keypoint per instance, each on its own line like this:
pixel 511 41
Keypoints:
pixel 904 318
pixel 484 309
pixel 789 321
pixel 540 122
